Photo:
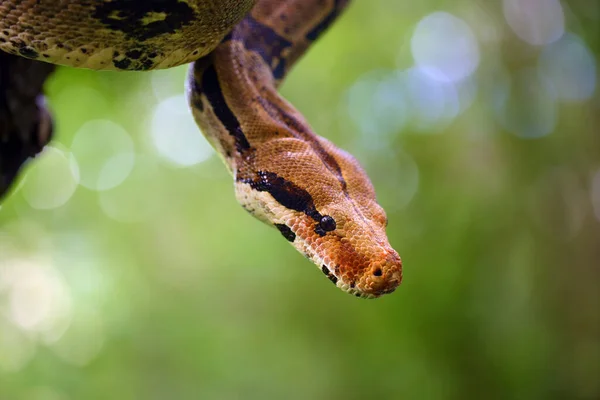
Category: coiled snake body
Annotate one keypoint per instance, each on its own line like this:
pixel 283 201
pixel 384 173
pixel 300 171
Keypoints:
pixel 315 194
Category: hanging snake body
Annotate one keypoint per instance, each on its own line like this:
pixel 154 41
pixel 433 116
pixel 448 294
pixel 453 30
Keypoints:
pixel 315 194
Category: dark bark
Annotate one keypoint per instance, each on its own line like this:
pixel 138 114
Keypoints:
pixel 25 124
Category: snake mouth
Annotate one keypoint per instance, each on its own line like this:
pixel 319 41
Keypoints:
pixel 367 295
pixel 375 283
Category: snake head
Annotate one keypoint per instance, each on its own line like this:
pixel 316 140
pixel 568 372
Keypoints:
pixel 356 255
pixel 327 211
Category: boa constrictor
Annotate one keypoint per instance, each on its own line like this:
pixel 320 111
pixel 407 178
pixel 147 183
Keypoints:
pixel 315 194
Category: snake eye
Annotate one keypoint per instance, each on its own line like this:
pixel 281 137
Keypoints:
pixel 327 223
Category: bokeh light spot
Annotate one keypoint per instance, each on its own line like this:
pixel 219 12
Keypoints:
pixel 444 47
pixel 38 299
pixel 523 105
pixel 84 339
pixel 130 201
pixel 568 68
pixel 168 82
pixel 376 105
pixel 433 103
pixel 175 134
pixel 104 152
pixel 77 103
pixel 51 181
pixel 536 22
pixel 398 176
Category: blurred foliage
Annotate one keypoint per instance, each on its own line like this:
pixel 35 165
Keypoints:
pixel 163 287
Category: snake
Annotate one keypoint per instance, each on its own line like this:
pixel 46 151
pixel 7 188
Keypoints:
pixel 315 194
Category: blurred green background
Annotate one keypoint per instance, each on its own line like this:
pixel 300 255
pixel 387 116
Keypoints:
pixel 128 270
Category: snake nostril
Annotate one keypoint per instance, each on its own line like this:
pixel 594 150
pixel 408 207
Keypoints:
pixel 377 272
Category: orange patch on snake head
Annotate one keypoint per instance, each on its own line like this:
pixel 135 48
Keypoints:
pixel 355 256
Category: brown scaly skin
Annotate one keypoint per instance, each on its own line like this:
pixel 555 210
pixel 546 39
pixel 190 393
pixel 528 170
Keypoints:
pixel 317 195
pixel 117 34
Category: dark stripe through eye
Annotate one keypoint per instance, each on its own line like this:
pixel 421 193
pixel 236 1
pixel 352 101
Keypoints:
pixel 285 193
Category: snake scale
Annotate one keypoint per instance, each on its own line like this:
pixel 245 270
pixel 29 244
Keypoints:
pixel 315 194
